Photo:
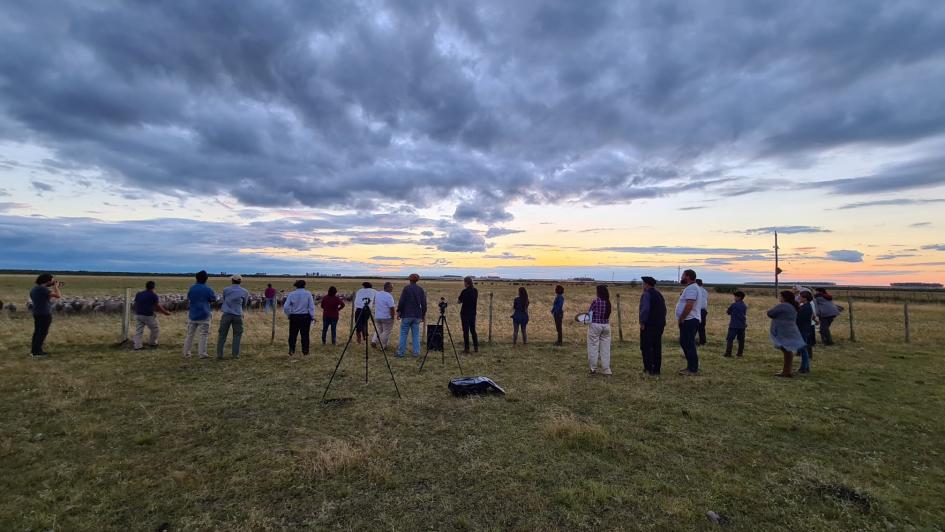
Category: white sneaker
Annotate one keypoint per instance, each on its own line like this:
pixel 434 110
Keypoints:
pixel 608 372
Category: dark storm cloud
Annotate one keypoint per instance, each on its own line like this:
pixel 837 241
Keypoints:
pixel 923 173
pixel 788 230
pixel 374 104
pixel 494 232
pixel 844 255
pixel 682 250
pixel 890 202
pixel 170 245
pixel 41 187
pixel 458 239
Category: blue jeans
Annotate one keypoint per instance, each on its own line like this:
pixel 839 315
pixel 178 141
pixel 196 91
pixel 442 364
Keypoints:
pixel 412 325
pixel 805 359
pixel 687 341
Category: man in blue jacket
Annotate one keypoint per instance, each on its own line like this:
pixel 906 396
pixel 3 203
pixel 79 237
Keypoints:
pixel 198 318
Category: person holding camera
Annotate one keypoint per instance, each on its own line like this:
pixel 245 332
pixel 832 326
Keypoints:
pixel 469 299
pixel 363 302
pixel 47 288
pixel 411 310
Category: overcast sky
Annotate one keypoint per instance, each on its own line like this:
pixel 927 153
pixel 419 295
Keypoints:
pixel 549 139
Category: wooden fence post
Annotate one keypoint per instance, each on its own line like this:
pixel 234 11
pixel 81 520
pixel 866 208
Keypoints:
pixel 619 320
pixel 126 317
pixel 272 337
pixel 490 317
pixel 850 310
pixel 905 322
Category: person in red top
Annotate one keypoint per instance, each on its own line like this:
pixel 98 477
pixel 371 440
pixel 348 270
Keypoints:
pixel 270 298
pixel 331 306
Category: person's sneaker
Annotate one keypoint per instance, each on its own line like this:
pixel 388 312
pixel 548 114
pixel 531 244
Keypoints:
pixel 39 355
pixel 138 349
pixel 187 355
pixel 400 355
pixel 784 375
pixel 152 346
pixel 684 371
pixel 291 353
pixel 607 372
pixel 204 356
pixel 739 355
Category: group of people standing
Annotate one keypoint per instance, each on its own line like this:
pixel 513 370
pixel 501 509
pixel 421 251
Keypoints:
pixel 793 320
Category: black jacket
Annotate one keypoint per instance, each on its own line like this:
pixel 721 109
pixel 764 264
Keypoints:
pixel 468 298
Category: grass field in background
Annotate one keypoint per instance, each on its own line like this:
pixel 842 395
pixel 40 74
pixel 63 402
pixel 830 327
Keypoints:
pixel 101 437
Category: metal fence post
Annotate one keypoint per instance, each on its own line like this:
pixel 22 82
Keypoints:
pixel 619 320
pixel 126 317
pixel 490 317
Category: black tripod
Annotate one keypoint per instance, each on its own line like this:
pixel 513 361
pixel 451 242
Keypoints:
pixel 366 316
pixel 442 325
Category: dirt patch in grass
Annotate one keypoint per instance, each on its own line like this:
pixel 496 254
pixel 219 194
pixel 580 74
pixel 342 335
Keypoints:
pixel 573 432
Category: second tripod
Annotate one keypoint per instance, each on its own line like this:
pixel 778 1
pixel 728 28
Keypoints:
pixel 441 325
pixel 365 318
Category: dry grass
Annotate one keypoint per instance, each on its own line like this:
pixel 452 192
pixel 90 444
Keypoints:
pixel 103 438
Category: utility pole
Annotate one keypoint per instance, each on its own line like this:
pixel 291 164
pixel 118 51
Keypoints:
pixel 777 269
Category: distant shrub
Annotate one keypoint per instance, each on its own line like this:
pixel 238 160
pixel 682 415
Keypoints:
pixel 724 288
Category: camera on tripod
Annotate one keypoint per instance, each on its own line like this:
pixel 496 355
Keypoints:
pixel 442 305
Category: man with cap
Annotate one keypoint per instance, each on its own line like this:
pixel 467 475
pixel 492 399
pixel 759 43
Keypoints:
pixel 652 324
pixel 360 318
pixel 411 310
pixel 384 306
pixel 703 311
pixel 235 298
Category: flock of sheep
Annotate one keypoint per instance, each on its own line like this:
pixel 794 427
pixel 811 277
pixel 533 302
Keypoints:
pixel 114 304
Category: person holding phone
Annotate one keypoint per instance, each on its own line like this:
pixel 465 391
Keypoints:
pixel 47 288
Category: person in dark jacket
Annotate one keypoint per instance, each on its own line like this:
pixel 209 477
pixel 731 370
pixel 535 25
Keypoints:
pixel 805 324
pixel 557 312
pixel 411 311
pixel 737 323
pixel 331 308
pixel 469 299
pixel 520 316
pixel 652 324
pixel 41 296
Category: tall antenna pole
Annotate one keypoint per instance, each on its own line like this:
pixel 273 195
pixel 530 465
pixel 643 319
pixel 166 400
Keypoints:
pixel 777 269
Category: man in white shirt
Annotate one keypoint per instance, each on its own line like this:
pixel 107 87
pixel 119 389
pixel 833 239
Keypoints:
pixel 703 310
pixel 687 317
pixel 361 322
pixel 384 307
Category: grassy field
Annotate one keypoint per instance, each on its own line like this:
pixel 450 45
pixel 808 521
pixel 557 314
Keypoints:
pixel 101 437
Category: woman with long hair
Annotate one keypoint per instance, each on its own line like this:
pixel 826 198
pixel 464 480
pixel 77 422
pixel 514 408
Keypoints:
pixel 784 332
pixel 598 332
pixel 520 316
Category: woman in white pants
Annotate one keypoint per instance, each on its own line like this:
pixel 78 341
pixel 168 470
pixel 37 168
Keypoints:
pixel 598 332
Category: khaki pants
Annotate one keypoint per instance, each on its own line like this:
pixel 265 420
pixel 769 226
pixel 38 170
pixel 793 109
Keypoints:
pixel 203 327
pixel 154 329
pixel 598 346
pixel 385 327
